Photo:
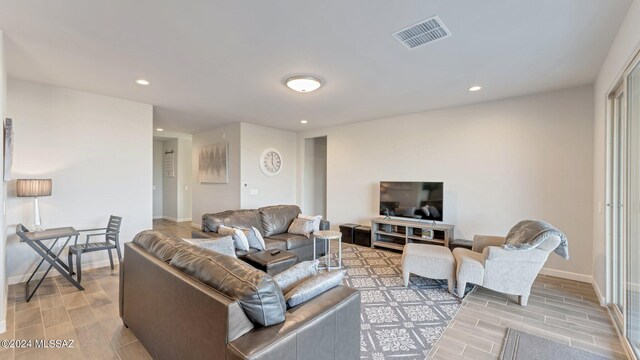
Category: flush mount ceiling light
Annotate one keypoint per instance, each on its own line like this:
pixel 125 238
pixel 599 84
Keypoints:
pixel 159 129
pixel 303 121
pixel 475 88
pixel 142 82
pixel 303 83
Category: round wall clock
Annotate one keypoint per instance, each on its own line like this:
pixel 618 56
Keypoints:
pixel 271 162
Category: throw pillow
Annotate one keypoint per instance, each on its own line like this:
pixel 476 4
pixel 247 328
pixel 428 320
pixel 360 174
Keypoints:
pixel 301 227
pixel 313 287
pixel 238 236
pixel 293 276
pixel 316 221
pixel 254 238
pixel 223 245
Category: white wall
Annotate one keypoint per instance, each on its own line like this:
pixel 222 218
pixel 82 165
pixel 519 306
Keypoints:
pixel 97 150
pixel 184 173
pixel 210 198
pixel 158 175
pixel 272 190
pixel 315 177
pixel 501 161
pixel 625 45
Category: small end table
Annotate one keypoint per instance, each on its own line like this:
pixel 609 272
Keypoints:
pixel 328 235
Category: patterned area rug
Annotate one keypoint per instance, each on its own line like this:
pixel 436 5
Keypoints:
pixel 396 322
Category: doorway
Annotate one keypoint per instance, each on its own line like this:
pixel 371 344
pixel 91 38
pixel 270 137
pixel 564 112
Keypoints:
pixel 315 176
pixel 172 175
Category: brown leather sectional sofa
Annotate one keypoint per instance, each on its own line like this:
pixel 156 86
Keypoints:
pixel 178 316
pixel 273 223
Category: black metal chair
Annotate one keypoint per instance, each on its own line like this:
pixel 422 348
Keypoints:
pixel 111 235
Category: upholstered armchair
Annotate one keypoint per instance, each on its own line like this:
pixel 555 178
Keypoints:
pixel 507 271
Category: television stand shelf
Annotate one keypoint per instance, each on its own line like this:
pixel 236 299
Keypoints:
pixel 394 234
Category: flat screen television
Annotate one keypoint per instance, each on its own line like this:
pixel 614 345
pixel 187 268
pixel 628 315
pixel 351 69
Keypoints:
pixel 413 200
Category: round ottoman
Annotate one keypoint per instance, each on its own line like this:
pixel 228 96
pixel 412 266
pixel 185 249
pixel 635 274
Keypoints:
pixel 430 261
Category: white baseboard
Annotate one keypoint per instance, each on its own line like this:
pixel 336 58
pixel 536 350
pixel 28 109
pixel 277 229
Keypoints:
pixel 157 217
pixel 567 275
pixel 601 297
pixel 196 225
pixel 176 220
pixel 576 277
pixel 85 266
pixel 3 326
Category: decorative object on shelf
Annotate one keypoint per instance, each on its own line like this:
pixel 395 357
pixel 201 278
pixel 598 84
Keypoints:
pixel 169 164
pixel 34 188
pixel 8 148
pixel 427 234
pixel 212 164
pixel 271 162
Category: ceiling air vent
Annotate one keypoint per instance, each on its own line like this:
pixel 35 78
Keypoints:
pixel 422 33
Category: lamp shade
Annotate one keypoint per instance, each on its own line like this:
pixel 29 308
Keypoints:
pixel 33 187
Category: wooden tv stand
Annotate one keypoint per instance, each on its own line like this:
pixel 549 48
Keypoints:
pixel 394 234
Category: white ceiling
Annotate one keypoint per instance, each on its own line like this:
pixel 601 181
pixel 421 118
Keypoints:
pixel 215 62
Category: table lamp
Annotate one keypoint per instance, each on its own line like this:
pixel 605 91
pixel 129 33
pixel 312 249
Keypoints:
pixel 34 188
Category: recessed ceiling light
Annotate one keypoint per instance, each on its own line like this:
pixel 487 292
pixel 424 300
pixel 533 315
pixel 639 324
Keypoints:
pixel 159 129
pixel 475 88
pixel 303 83
pixel 303 121
pixel 142 82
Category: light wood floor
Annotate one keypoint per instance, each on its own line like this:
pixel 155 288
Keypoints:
pixel 562 310
pixel 59 311
pixel 181 229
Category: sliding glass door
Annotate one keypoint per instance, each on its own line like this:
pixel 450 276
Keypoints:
pixel 632 238
pixel 623 204
pixel 616 135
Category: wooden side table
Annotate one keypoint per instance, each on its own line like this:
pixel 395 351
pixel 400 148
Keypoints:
pixel 327 236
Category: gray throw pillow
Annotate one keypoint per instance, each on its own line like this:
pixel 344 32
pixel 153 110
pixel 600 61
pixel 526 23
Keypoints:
pixel 239 238
pixel 224 245
pixel 313 287
pixel 316 220
pixel 301 227
pixel 293 276
pixel 254 238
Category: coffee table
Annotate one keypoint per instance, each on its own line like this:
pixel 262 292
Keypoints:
pixel 328 235
pixel 271 264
